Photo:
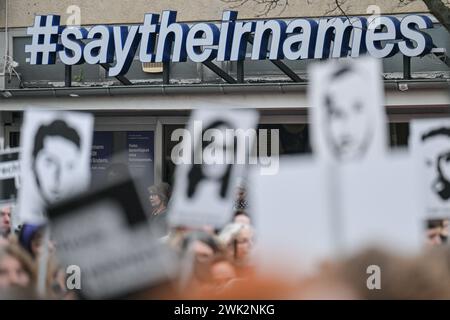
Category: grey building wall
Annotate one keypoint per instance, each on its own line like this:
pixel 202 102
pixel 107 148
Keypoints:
pixel 21 12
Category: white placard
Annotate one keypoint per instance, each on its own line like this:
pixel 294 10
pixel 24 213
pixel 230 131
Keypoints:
pixel 311 212
pixel 207 170
pixel 112 243
pixel 55 160
pixel 347 112
pixel 292 217
pixel 430 147
pixel 9 174
pixel 379 206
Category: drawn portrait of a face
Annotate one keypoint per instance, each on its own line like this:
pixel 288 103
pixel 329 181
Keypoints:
pixel 348 124
pixel 436 144
pixel 56 160
pixel 208 170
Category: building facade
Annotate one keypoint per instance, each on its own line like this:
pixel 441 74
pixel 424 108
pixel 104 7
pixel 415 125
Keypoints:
pixel 136 113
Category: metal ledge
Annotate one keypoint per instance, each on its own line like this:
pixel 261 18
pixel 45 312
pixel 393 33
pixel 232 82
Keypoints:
pixel 246 88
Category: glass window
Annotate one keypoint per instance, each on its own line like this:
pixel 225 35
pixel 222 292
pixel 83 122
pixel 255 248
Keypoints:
pixel 116 152
pixel 399 134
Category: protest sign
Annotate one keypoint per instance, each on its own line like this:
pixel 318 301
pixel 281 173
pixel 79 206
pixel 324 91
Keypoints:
pixel 212 156
pixel 292 215
pixel 430 147
pixel 54 161
pixel 106 234
pixel 380 206
pixel 347 111
pixel 9 175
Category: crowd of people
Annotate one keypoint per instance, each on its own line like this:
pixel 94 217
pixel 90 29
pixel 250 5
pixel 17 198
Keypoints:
pixel 220 263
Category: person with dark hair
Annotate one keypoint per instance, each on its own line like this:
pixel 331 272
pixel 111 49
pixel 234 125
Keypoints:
pixel 56 155
pixel 241 196
pixel 240 216
pixel 438 162
pixel 349 127
pixel 159 196
pixel 5 221
pixel 445 230
pixel 237 241
pixel 203 237
pixel 30 238
pixel 436 232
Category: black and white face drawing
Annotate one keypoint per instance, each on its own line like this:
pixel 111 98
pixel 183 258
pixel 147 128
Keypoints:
pixel 204 188
pixel 348 124
pixel 436 146
pixel 55 160
pixel 348 118
pixel 208 170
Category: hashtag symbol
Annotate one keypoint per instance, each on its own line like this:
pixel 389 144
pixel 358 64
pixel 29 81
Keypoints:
pixel 44 43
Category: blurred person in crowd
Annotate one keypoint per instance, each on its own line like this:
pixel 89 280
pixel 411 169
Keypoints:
pixel 426 276
pixel 159 196
pixel 445 230
pixel 56 153
pixel 237 239
pixel 327 284
pixel 227 237
pixel 5 221
pixel 244 244
pixel 268 287
pixel 176 237
pixel 199 250
pixel 16 268
pixel 401 277
pixel 31 239
pixel 57 282
pixel 3 241
pixel 241 197
pixel 242 217
pixel 210 229
pixel 18 293
pixel 222 273
pixel 436 232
